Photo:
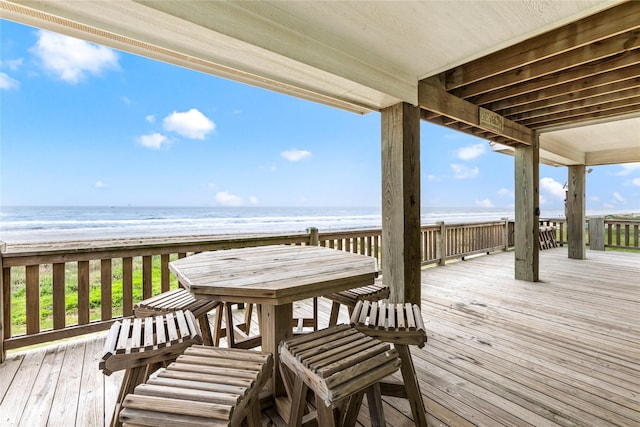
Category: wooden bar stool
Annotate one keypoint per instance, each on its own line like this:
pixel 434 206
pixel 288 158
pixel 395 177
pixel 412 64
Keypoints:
pixel 204 386
pixel 181 299
pixel 349 298
pixel 402 325
pixel 339 365
pixel 142 345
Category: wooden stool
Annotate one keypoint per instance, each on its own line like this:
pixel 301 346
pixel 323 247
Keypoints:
pixel 402 325
pixel 375 292
pixel 204 386
pixel 142 345
pixel 181 299
pixel 337 364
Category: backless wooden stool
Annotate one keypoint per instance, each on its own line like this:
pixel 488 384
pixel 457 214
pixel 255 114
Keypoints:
pixel 339 365
pixel 204 386
pixel 181 299
pixel 142 345
pixel 402 325
pixel 349 298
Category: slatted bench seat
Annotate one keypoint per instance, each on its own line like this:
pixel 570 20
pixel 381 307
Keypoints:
pixel 205 386
pixel 142 345
pixel 547 237
pixel 181 299
pixel 336 363
pixel 402 325
pixel 349 298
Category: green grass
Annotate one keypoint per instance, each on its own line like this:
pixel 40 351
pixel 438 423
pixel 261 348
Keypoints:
pixel 18 291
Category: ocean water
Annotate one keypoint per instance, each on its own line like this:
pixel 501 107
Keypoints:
pixel 55 223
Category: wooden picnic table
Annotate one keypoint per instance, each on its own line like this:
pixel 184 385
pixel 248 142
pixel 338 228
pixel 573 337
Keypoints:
pixel 274 276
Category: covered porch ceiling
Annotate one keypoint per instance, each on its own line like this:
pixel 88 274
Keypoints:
pixel 501 71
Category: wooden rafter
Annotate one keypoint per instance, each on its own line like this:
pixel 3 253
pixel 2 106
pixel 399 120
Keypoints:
pixel 590 30
pixel 584 72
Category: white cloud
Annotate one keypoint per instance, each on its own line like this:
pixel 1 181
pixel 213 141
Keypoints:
pixel 628 168
pixel 253 200
pixel 71 59
pixel 126 100
pixel 100 184
pixel 485 203
pixel 211 185
pixel 618 197
pixel 464 172
pixel 295 155
pixel 553 188
pixel 153 140
pixel 12 64
pixel 431 178
pixel 594 198
pixel 227 199
pixel 470 152
pixel 190 124
pixel 150 118
pixel 636 181
pixel 8 83
pixel 505 193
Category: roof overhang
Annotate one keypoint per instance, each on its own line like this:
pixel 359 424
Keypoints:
pixel 547 67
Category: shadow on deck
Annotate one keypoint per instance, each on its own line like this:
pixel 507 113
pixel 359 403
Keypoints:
pixel 564 351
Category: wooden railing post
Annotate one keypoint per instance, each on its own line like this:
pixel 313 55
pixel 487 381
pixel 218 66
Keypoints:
pixel 3 353
pixel 314 239
pixel 596 233
pixel 441 247
pixel 505 234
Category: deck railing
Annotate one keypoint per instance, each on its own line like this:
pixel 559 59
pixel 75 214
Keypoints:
pixel 60 292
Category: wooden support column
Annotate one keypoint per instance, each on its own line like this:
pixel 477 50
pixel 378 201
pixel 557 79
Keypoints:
pixel 401 202
pixel 527 210
pixel 3 353
pixel 576 211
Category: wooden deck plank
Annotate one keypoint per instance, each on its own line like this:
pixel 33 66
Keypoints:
pixel 42 394
pixel 65 403
pixel 560 352
pixel 13 405
pixel 91 411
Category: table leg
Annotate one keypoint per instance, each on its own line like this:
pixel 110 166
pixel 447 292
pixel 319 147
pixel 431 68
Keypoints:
pixel 276 326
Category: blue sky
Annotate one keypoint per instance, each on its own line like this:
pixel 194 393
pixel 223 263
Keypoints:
pixel 82 124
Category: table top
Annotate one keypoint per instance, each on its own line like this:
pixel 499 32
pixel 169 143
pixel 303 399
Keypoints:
pixel 273 274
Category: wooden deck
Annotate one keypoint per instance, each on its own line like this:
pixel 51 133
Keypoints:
pixel 564 351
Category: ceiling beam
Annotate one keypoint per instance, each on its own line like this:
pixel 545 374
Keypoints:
pixel 434 98
pixel 624 96
pixel 606 48
pixel 591 92
pixel 605 113
pixel 569 89
pixel 616 20
pixel 576 75
pixel 608 157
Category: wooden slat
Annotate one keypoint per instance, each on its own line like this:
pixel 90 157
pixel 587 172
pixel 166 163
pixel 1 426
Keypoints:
pixel 83 292
pixel 127 286
pixel 147 285
pixel 6 302
pixel 164 272
pixel 59 303
pixel 106 301
pixel 33 298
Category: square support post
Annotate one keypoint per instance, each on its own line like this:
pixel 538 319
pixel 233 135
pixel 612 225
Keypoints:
pixel 401 202
pixel 576 217
pixel 527 210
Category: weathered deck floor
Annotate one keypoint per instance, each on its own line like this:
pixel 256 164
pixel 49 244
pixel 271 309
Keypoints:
pixel 565 351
